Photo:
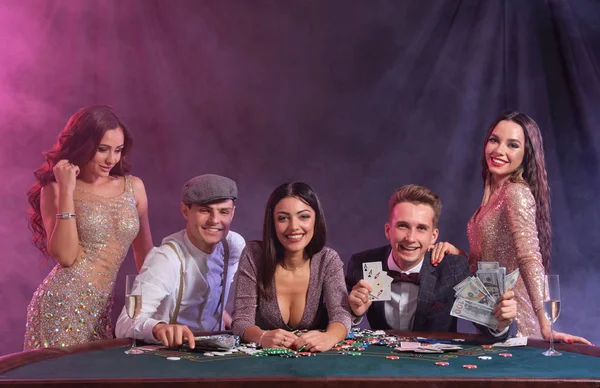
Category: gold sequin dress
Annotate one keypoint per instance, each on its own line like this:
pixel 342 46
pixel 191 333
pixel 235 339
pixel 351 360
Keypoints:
pixel 73 304
pixel 504 230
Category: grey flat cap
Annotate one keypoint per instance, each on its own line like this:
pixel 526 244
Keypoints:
pixel 208 188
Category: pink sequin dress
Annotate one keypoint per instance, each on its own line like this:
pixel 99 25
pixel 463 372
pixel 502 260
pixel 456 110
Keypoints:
pixel 73 304
pixel 504 230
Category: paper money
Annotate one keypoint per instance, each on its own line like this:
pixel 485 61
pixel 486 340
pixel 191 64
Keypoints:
pixel 480 285
pixel 510 281
pixel 493 280
pixel 477 296
pixel 463 283
pixel 488 265
pixel 472 292
pixel 474 312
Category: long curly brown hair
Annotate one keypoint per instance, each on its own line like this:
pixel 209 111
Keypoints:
pixel 532 172
pixel 78 143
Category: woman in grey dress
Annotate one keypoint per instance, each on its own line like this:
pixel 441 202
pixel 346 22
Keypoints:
pixel 291 281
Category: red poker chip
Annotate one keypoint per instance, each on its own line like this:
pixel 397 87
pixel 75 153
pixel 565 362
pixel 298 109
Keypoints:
pixel 470 366
pixel 442 363
pixel 505 355
pixel 487 346
pixel 393 357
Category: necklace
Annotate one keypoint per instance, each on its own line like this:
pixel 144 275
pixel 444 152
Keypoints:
pixel 289 269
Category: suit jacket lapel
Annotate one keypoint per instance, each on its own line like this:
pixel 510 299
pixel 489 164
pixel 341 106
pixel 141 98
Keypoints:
pixel 427 284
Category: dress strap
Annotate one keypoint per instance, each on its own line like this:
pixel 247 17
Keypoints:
pixel 128 183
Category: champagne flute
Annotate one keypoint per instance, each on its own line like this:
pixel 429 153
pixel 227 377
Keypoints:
pixel 133 306
pixel 551 308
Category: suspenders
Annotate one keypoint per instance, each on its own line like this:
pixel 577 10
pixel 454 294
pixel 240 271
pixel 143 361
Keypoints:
pixel 173 319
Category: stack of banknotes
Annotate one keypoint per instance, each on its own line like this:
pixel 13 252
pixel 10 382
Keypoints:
pixel 476 296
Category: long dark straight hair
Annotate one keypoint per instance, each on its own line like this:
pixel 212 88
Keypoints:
pixel 78 143
pixel 273 251
pixel 532 172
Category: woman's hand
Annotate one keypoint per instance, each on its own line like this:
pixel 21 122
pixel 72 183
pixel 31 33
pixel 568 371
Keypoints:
pixel 441 249
pixel 314 341
pixel 563 337
pixel 277 338
pixel 66 175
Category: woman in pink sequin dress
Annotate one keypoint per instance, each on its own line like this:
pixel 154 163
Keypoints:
pixel 512 225
pixel 85 213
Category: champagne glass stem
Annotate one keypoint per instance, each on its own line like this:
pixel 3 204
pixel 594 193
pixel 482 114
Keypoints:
pixel 551 337
pixel 133 343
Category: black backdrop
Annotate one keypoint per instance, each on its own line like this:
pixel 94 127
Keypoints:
pixel 354 97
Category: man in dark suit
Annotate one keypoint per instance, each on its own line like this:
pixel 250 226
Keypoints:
pixel 422 294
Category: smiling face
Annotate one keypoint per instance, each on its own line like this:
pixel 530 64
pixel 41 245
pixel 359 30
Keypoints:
pixel 208 224
pixel 410 232
pixel 108 154
pixel 504 150
pixel 294 222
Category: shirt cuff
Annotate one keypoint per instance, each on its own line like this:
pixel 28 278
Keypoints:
pixel 356 320
pixel 495 333
pixel 146 327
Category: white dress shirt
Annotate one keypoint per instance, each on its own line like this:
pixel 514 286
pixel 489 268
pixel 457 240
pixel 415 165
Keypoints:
pixel 401 308
pixel 202 279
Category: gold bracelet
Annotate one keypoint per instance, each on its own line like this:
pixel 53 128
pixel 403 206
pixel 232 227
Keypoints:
pixel 65 216
pixel 260 338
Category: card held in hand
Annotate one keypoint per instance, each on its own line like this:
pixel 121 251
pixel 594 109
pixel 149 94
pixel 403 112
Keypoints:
pixel 379 280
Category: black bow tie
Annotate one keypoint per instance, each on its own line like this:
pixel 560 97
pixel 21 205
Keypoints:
pixel 413 278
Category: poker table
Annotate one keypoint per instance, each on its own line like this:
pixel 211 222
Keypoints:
pixel 103 363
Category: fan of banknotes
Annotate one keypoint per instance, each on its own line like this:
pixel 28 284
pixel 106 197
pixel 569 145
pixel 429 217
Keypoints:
pixel 476 296
pixel 218 342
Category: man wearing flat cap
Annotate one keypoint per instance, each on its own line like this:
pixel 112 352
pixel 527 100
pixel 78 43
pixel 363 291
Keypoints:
pixel 186 281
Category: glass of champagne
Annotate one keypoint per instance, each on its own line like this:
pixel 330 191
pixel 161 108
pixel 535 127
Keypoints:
pixel 133 306
pixel 551 308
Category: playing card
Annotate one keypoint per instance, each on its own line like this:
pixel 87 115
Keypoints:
pixel 516 341
pixel 379 280
pixel 382 286
pixel 370 270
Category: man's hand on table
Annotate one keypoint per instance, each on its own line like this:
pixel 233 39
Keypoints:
pixel 173 335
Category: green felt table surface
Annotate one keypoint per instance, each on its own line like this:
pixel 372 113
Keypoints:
pixel 526 363
pixel 114 363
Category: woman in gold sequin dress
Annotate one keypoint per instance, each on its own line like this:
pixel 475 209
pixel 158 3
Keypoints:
pixel 512 225
pixel 85 213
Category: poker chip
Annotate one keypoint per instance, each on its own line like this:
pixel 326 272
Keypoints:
pixel 393 357
pixel 442 363
pixel 505 355
pixel 487 346
pixel 173 358
pixel 470 366
pixel 484 357
pixel 306 354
